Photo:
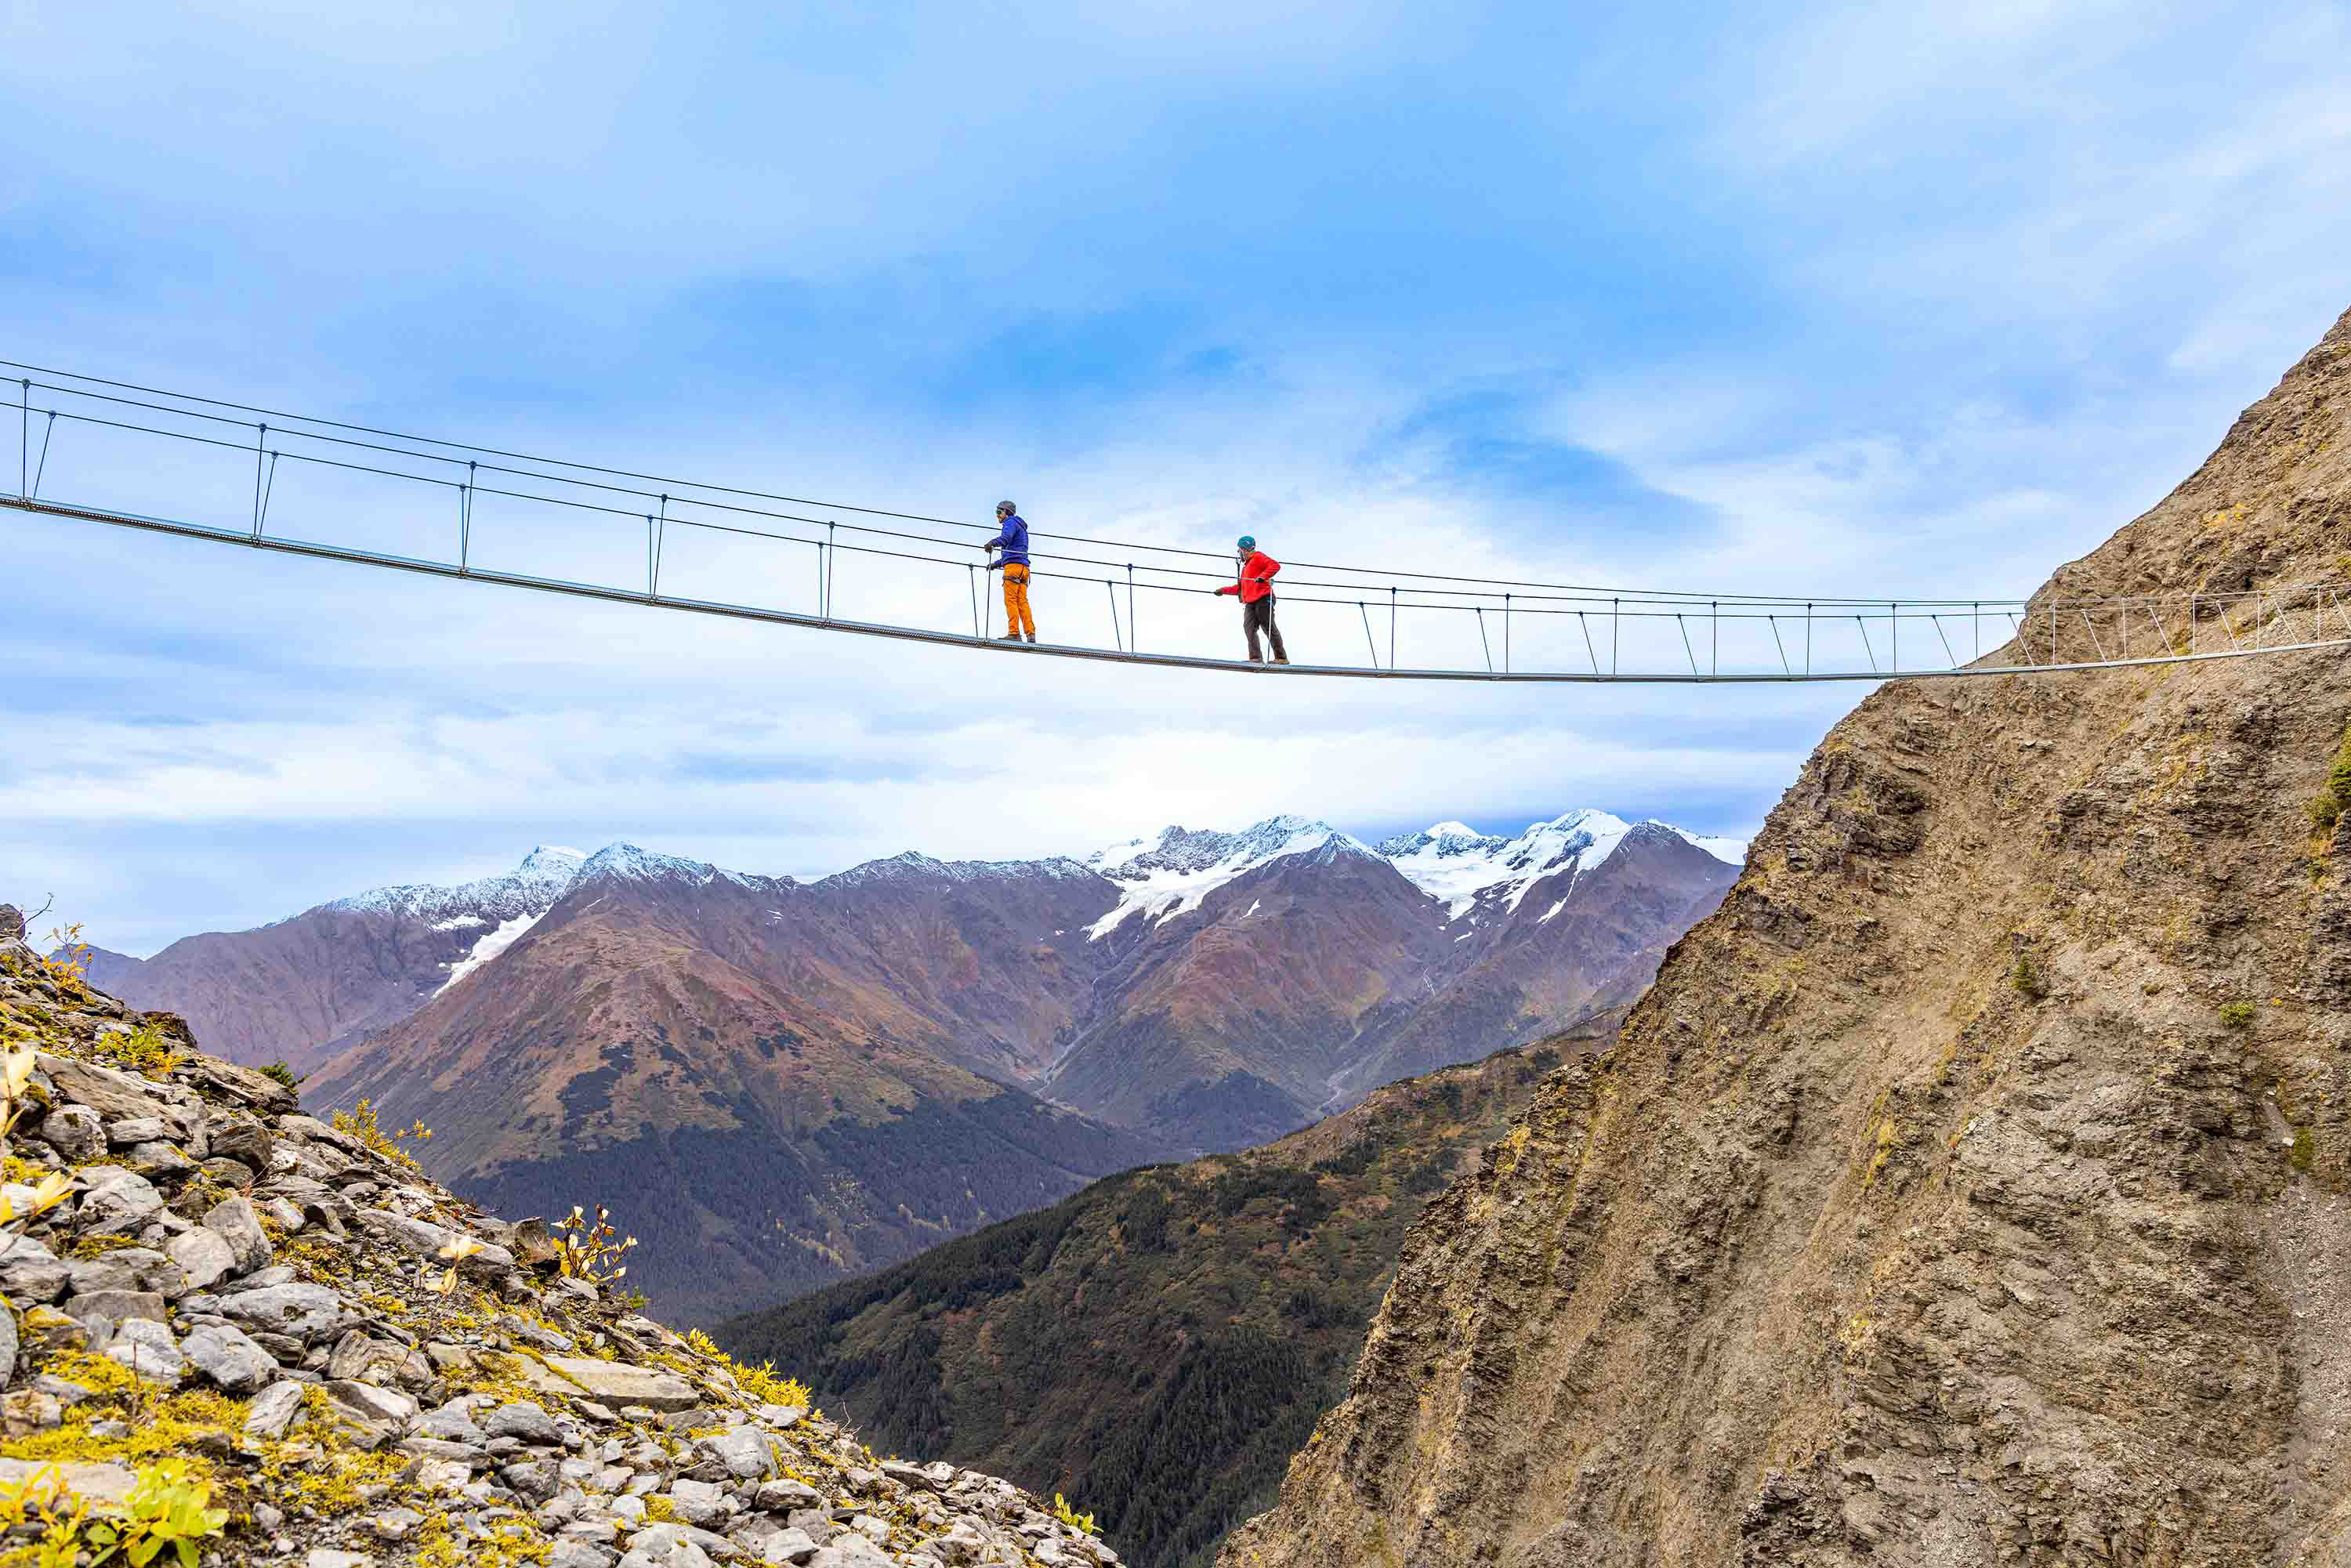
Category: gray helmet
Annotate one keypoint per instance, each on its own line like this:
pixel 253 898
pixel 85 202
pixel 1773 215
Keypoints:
pixel 1004 506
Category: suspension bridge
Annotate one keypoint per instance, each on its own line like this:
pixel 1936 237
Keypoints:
pixel 93 450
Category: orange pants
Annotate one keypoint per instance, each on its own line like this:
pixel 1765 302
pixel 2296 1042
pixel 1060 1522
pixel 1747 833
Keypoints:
pixel 1016 602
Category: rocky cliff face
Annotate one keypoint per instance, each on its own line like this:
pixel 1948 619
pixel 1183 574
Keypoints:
pixel 270 1340
pixel 1969 1188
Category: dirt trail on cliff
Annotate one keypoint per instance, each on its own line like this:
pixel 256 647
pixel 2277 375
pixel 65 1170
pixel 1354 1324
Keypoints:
pixel 1968 1190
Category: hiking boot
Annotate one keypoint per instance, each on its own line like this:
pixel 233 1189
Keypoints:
pixel 1032 639
pixel 1010 637
pixel 1282 658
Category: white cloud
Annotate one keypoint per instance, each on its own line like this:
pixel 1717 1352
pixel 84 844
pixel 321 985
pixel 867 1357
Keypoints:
pixel 1902 302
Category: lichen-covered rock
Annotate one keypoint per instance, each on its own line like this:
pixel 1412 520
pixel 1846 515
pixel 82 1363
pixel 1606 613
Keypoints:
pixel 272 1296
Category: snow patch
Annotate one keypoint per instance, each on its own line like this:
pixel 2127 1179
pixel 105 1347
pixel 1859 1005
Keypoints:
pixel 490 947
pixel 1474 874
pixel 1733 851
pixel 1171 875
pixel 459 922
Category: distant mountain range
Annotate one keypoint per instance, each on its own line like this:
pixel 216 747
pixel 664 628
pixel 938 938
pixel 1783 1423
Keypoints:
pixel 778 1081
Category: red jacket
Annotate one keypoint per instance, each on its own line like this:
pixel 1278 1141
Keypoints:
pixel 1257 578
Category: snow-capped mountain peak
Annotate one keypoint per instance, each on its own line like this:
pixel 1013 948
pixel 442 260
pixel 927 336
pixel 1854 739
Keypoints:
pixel 910 866
pixel 630 862
pixel 550 859
pixel 1169 875
pixel 531 886
pixel 1474 874
pixel 1444 841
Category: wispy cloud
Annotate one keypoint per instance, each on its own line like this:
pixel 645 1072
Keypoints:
pixel 1853 297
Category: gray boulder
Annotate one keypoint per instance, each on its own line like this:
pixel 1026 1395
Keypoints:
pixel 534 1480
pixel 138 1129
pixel 383 1406
pixel 422 1238
pixel 790 1544
pixel 784 1494
pixel 147 1348
pixel 701 1503
pixel 29 1268
pixel 224 1354
pixel 849 1552
pixel 127 1268
pixel 116 1198
pixel 203 1254
pixel 299 1310
pixel 234 1221
pixel 526 1421
pixel 248 1143
pixel 748 1453
pixel 273 1409
pixel 102 1310
pixel 453 1423
pixel 76 1132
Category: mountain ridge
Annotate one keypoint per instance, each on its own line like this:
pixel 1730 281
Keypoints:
pixel 1968 1188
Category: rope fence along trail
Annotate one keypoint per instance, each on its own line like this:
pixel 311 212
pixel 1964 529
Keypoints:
pixel 144 458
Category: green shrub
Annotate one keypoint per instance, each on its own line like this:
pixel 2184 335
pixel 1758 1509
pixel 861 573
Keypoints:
pixel 2027 979
pixel 2237 1015
pixel 2328 804
pixel 283 1073
pixel 2304 1150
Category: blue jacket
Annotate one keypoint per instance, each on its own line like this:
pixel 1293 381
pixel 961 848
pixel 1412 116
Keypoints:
pixel 1013 541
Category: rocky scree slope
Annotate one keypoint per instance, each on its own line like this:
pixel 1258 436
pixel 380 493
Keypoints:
pixel 1162 1341
pixel 317 1356
pixel 1970 1189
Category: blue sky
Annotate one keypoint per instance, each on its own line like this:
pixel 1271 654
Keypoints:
pixel 1738 298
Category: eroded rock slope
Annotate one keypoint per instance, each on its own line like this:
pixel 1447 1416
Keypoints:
pixel 230 1325
pixel 1968 1190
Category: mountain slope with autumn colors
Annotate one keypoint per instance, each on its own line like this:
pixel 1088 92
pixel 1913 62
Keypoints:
pixel 759 1133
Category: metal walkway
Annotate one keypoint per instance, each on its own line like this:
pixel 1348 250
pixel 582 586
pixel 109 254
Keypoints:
pixel 366 482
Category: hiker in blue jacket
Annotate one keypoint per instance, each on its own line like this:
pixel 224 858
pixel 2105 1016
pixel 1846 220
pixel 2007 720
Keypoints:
pixel 1013 539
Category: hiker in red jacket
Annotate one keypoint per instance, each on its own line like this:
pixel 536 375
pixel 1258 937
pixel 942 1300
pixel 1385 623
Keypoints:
pixel 1256 590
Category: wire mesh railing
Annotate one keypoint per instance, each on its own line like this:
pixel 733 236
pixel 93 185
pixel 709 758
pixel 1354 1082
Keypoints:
pixel 139 456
